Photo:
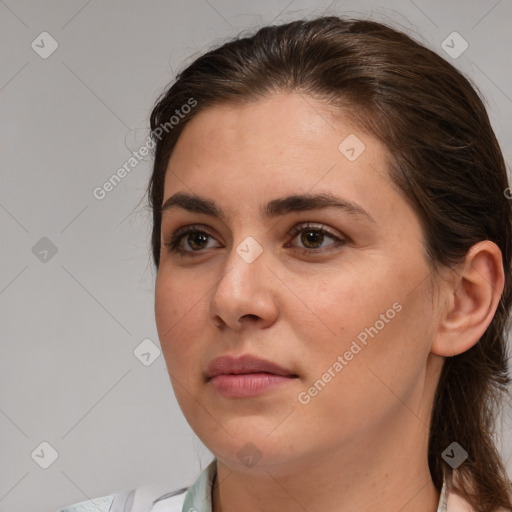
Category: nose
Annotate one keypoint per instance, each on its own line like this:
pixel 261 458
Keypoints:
pixel 245 294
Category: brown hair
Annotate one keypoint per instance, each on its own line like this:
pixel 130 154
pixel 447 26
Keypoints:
pixel 445 160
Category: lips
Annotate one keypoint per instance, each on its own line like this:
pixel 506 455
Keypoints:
pixel 246 364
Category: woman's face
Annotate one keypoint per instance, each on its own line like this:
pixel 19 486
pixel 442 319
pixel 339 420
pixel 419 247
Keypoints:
pixel 347 313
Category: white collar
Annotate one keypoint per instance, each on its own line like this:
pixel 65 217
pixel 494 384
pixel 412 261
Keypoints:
pixel 445 491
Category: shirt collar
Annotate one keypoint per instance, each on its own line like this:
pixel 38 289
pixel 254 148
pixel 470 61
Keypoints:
pixel 199 495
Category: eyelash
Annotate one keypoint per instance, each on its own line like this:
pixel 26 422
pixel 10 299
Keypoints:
pixel 173 244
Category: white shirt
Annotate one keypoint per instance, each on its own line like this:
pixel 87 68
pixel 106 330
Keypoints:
pixel 198 498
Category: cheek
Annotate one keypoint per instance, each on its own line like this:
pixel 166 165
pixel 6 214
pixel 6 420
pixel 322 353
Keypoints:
pixel 376 320
pixel 340 305
pixel 178 327
pixel 175 299
pixel 374 379
pixel 176 317
pixel 167 310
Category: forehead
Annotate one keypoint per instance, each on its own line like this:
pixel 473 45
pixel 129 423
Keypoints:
pixel 280 138
pixel 291 117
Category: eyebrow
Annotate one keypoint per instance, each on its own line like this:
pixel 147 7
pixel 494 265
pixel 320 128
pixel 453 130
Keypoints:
pixel 275 208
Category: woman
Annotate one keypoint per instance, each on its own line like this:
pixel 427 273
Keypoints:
pixel 333 242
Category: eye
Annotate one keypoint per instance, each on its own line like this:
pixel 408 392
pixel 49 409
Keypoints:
pixel 312 238
pixel 194 237
pixel 313 235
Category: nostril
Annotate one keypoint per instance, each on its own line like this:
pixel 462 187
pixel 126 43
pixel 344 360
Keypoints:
pixel 251 316
pixel 218 322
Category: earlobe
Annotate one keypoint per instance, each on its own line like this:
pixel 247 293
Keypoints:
pixel 471 300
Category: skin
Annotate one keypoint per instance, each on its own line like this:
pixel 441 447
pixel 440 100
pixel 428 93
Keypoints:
pixel 360 443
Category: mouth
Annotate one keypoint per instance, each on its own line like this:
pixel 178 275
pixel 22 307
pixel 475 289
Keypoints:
pixel 247 384
pixel 246 376
pixel 246 364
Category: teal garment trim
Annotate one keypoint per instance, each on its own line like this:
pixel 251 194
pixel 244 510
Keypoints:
pixel 95 505
pixel 199 496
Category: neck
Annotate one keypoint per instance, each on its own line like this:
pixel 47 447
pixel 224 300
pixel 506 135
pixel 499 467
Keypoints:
pixel 384 471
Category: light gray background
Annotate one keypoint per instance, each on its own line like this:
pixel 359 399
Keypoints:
pixel 69 325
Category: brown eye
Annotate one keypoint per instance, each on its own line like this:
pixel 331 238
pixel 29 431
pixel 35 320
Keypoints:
pixel 312 236
pixel 195 238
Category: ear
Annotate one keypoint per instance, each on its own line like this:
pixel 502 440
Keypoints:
pixel 471 299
